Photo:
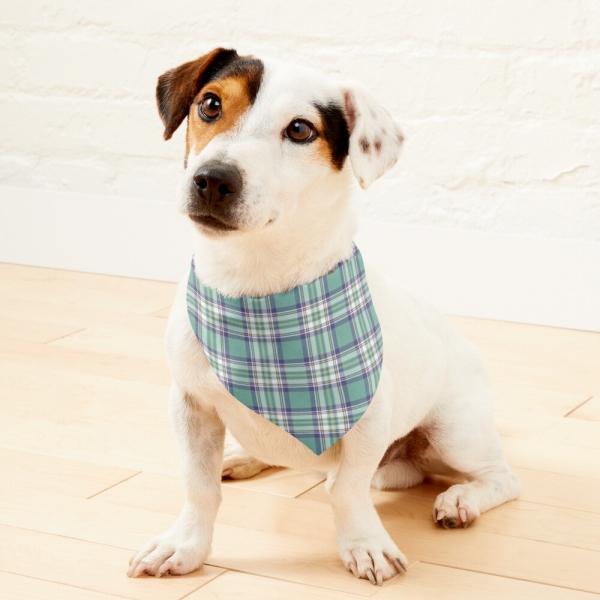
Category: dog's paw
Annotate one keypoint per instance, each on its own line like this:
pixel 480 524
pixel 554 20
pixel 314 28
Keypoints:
pixel 372 559
pixel 456 507
pixel 238 464
pixel 170 554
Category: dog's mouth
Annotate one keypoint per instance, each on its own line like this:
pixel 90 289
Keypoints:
pixel 211 222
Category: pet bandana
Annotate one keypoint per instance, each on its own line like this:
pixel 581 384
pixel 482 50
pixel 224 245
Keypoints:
pixel 308 360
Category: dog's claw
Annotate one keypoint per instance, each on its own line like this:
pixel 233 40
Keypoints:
pixel 354 569
pixel 439 515
pixel 371 576
pixel 379 577
pixel 399 566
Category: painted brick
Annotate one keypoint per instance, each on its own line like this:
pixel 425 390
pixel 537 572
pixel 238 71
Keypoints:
pixel 499 100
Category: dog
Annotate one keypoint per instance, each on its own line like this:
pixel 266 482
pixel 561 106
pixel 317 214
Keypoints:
pixel 271 149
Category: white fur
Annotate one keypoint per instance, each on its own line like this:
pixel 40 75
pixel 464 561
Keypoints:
pixel 295 224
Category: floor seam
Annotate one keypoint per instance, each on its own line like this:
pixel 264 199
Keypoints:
pixel 578 406
pixel 77 587
pixel 207 583
pixel 544 583
pixel 62 337
pixel 113 485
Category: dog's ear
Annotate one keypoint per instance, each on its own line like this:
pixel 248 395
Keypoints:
pixel 177 88
pixel 375 138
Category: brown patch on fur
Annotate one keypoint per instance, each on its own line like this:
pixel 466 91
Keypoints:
pixel 322 148
pixel 365 145
pixel 237 92
pixel 411 447
pixel 334 138
pixel 177 88
pixel 377 145
pixel 235 101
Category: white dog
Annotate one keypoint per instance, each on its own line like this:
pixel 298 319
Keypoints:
pixel 266 186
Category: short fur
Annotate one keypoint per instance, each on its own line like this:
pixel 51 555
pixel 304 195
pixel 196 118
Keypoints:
pixel 292 223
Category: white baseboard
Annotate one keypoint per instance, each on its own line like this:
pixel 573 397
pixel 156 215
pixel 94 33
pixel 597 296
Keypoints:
pixel 530 280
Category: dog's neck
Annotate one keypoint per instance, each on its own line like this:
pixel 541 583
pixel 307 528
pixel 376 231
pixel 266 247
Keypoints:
pixel 295 251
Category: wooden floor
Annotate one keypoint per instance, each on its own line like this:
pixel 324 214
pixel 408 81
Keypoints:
pixel 89 470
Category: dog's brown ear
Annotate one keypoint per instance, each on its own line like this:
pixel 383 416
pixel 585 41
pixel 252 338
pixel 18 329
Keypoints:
pixel 177 88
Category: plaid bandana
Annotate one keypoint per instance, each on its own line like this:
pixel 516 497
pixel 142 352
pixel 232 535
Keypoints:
pixel 307 360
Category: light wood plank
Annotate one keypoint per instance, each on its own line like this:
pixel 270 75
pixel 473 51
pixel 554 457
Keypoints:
pixel 95 418
pixel 590 411
pixel 556 359
pixel 49 473
pixel 78 398
pixel 122 443
pixel 524 411
pixel 564 526
pixel 80 361
pixel 111 340
pixel 72 288
pixel 250 587
pixel 426 581
pixel 18 587
pixel 90 566
pixel 573 432
pixel 555 489
pixel 33 331
pixel 551 456
pixel 78 316
pixel 282 482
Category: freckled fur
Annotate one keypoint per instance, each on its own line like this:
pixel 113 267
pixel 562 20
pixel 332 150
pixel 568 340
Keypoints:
pixel 365 145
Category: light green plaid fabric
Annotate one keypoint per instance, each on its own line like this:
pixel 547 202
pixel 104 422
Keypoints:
pixel 308 360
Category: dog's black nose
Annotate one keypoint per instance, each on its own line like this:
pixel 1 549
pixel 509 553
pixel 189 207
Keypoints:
pixel 218 183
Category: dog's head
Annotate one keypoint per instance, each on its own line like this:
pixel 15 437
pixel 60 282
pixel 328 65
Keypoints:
pixel 265 138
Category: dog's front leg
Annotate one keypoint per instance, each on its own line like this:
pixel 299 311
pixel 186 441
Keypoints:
pixel 365 546
pixel 184 547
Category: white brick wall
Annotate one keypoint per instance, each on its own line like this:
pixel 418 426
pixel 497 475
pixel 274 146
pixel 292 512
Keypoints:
pixel 500 99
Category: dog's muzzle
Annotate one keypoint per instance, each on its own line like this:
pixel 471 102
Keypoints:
pixel 216 187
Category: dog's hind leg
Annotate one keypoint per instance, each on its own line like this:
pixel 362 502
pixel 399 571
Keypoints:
pixel 398 474
pixel 238 464
pixel 470 444
pixel 400 466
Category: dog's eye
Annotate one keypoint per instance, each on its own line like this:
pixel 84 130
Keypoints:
pixel 299 130
pixel 210 108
